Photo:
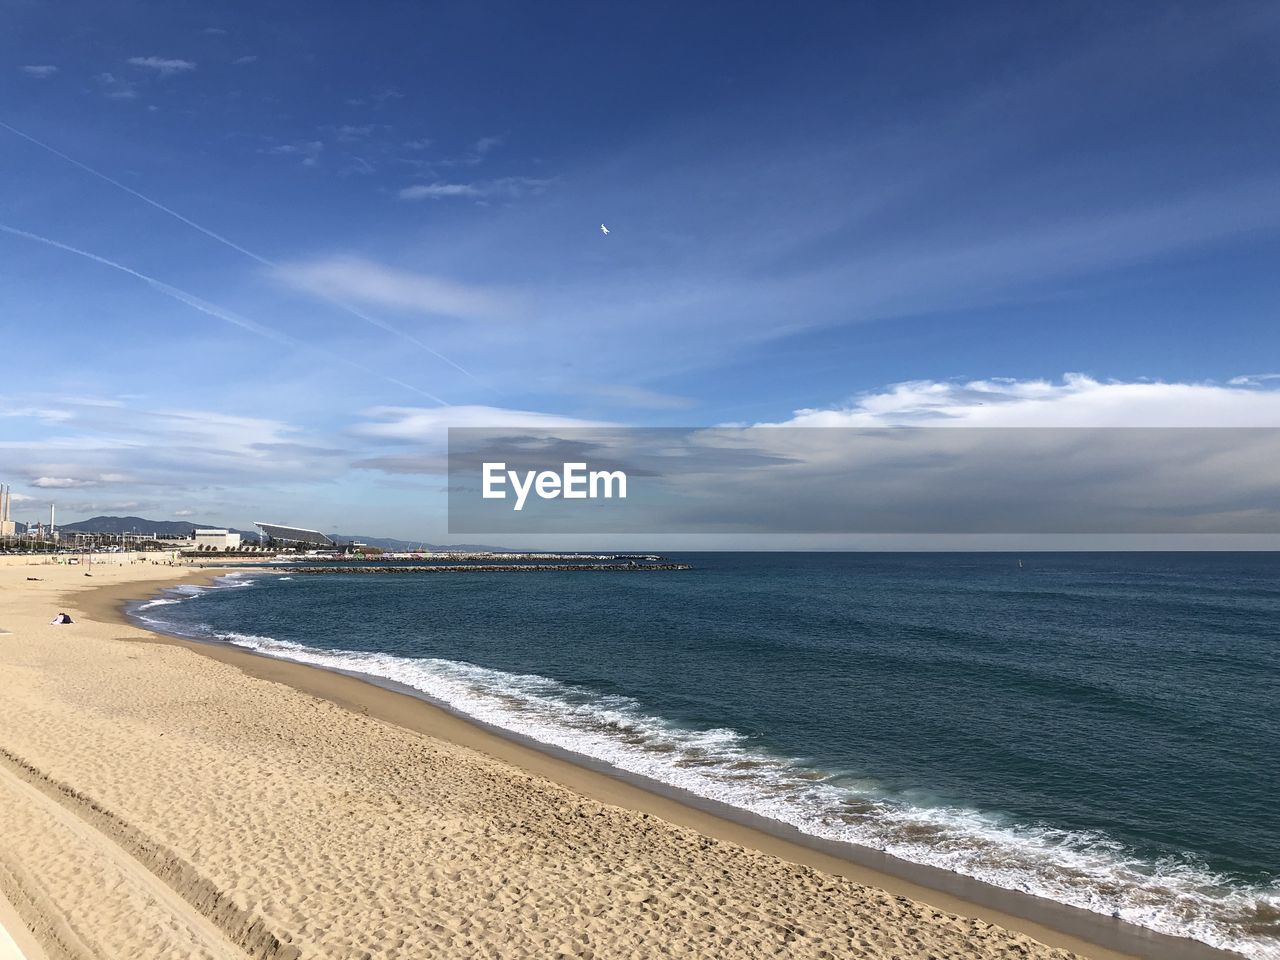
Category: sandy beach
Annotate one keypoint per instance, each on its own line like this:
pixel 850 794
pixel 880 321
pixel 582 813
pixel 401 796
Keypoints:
pixel 168 799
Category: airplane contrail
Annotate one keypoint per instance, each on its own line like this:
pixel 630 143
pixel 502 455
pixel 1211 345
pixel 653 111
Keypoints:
pixel 264 261
pixel 213 310
pixel 141 196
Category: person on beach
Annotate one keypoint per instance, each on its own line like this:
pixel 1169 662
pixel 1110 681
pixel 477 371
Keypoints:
pixel 62 618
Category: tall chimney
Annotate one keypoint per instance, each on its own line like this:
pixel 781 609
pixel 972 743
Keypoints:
pixel 51 526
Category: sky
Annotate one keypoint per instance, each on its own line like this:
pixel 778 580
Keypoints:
pixel 256 258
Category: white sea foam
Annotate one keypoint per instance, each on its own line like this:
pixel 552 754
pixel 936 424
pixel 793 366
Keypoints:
pixel 188 591
pixel 1088 870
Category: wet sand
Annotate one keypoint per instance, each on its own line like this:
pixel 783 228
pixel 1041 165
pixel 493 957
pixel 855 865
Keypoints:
pixel 202 799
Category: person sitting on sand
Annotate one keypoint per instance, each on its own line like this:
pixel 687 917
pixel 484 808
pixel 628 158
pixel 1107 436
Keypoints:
pixel 62 618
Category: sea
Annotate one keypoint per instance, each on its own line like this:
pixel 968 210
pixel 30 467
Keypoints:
pixel 1098 729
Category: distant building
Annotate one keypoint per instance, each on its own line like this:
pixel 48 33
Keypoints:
pixel 217 540
pixel 295 536
pixel 8 527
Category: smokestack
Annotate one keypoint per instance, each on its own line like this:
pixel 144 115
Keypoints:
pixel 5 495
pixel 51 526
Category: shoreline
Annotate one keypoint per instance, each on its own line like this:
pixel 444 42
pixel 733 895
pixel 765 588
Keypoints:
pixel 1058 925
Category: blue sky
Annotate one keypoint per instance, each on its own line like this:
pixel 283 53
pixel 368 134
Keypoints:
pixel 350 226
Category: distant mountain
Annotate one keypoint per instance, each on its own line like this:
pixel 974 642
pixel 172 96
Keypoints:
pixel 183 528
pixel 165 528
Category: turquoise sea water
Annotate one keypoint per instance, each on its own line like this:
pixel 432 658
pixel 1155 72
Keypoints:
pixel 1099 729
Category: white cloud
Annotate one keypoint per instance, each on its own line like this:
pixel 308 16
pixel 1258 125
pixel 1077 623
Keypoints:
pixel 419 435
pixel 350 132
pixel 1253 379
pixel 506 188
pixel 60 483
pixel 95 444
pixel 247 58
pixel 351 278
pixel 47 415
pixel 163 66
pixel 432 423
pixel 39 71
pixel 116 88
pixel 183 513
pixel 68 483
pixel 435 191
pixel 1074 401
pixel 308 150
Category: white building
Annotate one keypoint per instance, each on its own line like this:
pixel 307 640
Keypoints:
pixel 217 539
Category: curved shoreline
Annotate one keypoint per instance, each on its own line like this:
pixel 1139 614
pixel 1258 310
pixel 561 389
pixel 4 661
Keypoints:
pixel 1055 924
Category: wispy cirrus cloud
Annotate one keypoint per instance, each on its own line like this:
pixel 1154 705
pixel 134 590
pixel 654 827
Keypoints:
pixel 149 448
pixel 116 88
pixel 45 414
pixel 351 132
pixel 372 284
pixel 40 71
pixel 73 483
pixel 415 439
pixel 417 424
pixel 163 66
pixel 438 191
pixel 504 188
pixel 308 152
pixel 478 152
pixel 379 98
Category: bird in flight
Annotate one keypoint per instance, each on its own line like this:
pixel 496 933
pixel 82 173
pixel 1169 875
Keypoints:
pixel 604 229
